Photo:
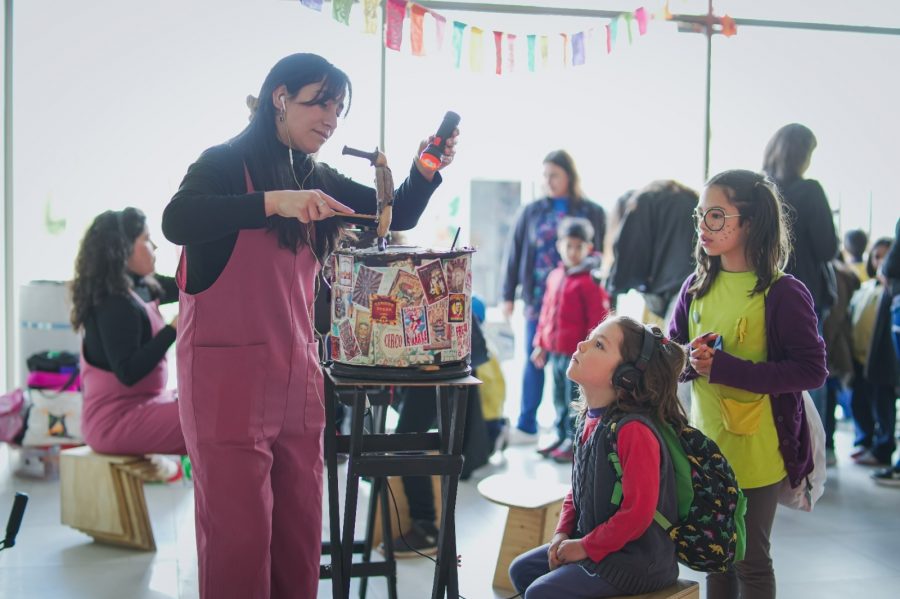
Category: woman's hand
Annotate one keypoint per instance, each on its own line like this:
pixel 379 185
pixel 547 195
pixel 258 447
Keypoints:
pixel 571 552
pixel 447 158
pixel 306 205
pixel 539 357
pixel 554 546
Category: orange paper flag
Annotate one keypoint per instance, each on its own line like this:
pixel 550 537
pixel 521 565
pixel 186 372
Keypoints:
pixel 728 26
pixel 417 21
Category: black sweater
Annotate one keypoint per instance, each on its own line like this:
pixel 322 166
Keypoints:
pixel 212 206
pixel 118 337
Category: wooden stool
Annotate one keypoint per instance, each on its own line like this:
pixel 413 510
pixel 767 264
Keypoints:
pixel 533 515
pixel 103 496
pixel 396 486
pixel 683 589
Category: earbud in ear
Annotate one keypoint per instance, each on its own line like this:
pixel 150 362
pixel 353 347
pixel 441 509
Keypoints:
pixel 283 107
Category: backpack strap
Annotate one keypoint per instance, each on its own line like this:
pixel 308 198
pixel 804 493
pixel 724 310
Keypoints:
pixel 613 457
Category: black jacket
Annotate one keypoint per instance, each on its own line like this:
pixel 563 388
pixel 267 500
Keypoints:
pixel 883 368
pixel 814 242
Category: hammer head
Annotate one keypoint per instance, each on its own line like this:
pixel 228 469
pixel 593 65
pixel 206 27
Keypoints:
pixel 372 156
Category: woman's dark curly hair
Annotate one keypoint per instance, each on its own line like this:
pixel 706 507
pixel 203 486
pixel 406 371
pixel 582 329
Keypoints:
pixel 100 267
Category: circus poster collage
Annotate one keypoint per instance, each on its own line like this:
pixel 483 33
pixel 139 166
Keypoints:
pixel 413 310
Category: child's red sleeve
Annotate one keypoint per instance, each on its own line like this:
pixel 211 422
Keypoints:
pixel 639 456
pixel 567 516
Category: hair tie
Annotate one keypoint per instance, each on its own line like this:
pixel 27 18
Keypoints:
pixel 252 104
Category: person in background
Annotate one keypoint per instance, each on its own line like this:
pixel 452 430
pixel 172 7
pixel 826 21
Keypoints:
pixel 856 242
pixel 600 549
pixel 887 337
pixel 573 305
pixel 531 256
pixel 814 242
pixel 754 348
pixel 115 304
pixel 872 401
pixel 653 250
pixel 258 217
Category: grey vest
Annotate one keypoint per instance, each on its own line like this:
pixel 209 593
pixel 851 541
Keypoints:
pixel 648 563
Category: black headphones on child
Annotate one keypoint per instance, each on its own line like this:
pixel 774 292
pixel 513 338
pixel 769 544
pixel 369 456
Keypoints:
pixel 628 375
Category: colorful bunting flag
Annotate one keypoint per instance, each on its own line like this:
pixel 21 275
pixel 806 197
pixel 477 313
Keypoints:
pixel 458 29
pixel 340 10
pixel 728 26
pixel 565 41
pixel 641 16
pixel 628 17
pixel 416 27
pixel 545 51
pixel 440 23
pixel 608 39
pixel 578 49
pixel 498 51
pixel 614 29
pixel 370 13
pixel 476 49
pixel 510 52
pixel 531 53
pixel 313 4
pixel 396 12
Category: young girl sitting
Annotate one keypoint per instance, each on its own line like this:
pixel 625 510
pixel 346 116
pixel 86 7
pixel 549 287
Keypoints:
pixel 600 550
pixel 754 349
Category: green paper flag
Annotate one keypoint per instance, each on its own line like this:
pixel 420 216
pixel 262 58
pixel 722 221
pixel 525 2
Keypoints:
pixel 341 10
pixel 531 53
pixel 628 24
pixel 458 29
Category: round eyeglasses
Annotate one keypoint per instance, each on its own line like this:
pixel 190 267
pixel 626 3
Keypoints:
pixel 714 219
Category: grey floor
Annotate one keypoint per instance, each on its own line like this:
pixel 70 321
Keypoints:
pixel 848 547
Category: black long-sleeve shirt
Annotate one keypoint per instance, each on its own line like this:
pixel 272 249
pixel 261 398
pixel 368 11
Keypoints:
pixel 212 206
pixel 118 337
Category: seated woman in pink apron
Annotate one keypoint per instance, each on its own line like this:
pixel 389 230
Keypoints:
pixel 115 302
pixel 255 215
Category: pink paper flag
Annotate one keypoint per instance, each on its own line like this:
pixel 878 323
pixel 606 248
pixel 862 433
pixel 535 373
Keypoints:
pixel 458 29
pixel 476 49
pixel 510 52
pixel 578 49
pixel 608 39
pixel 498 52
pixel 396 12
pixel 417 23
pixel 641 16
pixel 440 24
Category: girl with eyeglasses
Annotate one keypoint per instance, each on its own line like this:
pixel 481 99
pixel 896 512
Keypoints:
pixel 754 347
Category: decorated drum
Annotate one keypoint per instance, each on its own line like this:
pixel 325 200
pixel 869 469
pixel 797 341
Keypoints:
pixel 404 312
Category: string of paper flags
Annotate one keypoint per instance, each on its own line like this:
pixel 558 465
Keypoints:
pixel 572 48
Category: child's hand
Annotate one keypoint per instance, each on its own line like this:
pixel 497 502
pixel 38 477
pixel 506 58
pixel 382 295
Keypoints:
pixel 539 357
pixel 551 551
pixel 701 359
pixel 571 552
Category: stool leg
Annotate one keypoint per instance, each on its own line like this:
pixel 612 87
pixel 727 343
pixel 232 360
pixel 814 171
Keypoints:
pixel 356 427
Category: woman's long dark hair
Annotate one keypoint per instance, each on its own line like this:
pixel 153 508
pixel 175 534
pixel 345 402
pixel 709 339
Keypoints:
pixel 768 242
pixel 563 160
pixel 788 152
pixel 101 265
pixel 266 156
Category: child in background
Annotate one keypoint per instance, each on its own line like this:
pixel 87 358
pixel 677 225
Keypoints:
pixel 493 384
pixel 747 393
pixel 872 403
pixel 573 304
pixel 600 550
pixel 855 244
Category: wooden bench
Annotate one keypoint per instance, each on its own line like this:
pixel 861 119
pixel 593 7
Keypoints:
pixel 103 496
pixel 683 589
pixel 534 509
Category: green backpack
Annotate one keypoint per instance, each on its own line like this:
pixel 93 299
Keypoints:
pixel 710 534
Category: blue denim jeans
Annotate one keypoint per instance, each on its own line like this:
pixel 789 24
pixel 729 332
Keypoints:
pixel 532 384
pixel 530 574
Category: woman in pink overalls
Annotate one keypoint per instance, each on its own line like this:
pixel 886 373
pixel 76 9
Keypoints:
pixel 115 301
pixel 256 217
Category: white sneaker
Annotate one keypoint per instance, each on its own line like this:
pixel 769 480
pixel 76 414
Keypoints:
pixel 519 437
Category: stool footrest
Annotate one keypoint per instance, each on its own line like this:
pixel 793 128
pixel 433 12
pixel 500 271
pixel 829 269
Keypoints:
pixel 390 443
pixel 406 465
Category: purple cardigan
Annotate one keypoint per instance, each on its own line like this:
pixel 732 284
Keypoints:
pixel 796 362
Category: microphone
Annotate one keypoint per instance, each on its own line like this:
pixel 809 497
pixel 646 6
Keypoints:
pixel 15 519
pixel 431 156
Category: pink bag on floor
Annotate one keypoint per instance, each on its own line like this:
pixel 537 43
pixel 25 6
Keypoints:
pixel 58 381
pixel 11 415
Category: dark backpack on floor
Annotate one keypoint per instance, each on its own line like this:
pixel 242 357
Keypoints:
pixel 710 534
